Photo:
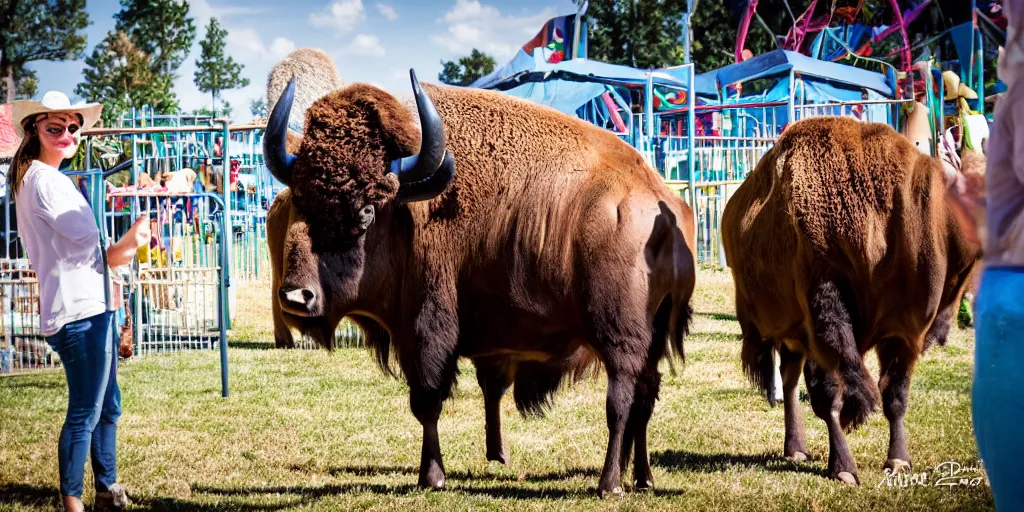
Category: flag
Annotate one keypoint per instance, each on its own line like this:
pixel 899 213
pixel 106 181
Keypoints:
pixel 558 39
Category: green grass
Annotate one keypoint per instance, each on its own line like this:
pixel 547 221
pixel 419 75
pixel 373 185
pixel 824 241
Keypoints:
pixel 326 431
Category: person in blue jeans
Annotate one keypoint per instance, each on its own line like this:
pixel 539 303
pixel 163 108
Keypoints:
pixel 995 221
pixel 60 235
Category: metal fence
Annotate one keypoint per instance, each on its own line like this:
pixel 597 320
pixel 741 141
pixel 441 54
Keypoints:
pixel 22 345
pixel 347 335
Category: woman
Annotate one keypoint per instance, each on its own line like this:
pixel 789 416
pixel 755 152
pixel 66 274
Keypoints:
pixel 998 406
pixel 60 235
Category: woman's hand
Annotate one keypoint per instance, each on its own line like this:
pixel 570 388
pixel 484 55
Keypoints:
pixel 122 252
pixel 140 231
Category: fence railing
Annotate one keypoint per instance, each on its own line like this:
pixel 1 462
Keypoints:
pixel 22 345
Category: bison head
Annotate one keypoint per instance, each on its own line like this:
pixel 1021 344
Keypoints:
pixel 357 156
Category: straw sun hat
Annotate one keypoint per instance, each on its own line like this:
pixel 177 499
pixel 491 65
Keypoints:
pixel 54 102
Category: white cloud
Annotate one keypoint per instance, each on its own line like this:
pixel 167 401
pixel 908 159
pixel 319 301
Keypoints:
pixel 365 44
pixel 472 24
pixel 342 15
pixel 202 11
pixel 281 47
pixel 469 10
pixel 247 46
pixel 387 11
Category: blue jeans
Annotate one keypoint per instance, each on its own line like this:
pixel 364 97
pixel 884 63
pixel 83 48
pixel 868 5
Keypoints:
pixel 88 353
pixel 997 402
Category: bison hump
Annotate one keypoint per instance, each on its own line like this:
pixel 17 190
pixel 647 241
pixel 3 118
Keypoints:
pixel 843 179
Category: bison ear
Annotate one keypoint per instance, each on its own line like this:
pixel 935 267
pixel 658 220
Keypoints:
pixel 293 142
pixel 366 216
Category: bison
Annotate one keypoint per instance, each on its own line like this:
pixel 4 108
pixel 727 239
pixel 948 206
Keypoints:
pixel 553 237
pixel 535 382
pixel 840 241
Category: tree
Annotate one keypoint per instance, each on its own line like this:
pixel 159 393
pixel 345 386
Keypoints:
pixel 467 69
pixel 225 111
pixel 33 30
pixel 258 108
pixel 28 84
pixel 645 34
pixel 161 29
pixel 216 72
pixel 120 75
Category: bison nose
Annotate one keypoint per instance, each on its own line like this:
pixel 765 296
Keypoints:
pixel 298 301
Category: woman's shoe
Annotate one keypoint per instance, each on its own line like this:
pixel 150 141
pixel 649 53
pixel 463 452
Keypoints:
pixel 115 499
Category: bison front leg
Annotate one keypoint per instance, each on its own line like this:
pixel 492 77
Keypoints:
pixel 426 406
pixel 430 371
pixel 792 364
pixel 896 361
pixel 494 378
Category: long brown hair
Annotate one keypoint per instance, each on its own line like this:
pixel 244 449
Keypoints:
pixel 27 152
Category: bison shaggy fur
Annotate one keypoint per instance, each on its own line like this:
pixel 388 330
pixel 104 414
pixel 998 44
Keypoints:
pixel 554 245
pixel 841 241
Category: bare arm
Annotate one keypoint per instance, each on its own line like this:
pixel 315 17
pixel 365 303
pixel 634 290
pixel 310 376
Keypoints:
pixel 123 251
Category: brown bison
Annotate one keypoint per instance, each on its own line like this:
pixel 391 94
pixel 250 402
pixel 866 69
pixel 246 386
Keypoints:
pixel 840 241
pixel 553 236
pixel 535 382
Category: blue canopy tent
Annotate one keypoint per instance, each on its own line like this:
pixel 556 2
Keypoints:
pixel 588 89
pixel 790 80
pixel 619 98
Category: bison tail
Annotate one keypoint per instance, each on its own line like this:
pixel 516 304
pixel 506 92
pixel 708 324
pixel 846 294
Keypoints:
pixel 860 395
pixel 758 356
pixel 671 326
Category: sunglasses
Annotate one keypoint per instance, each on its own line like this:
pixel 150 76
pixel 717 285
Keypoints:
pixel 57 131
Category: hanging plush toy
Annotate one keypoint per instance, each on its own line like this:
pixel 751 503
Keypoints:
pixel 918 128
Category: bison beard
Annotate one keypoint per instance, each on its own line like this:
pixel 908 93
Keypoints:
pixel 841 241
pixel 542 256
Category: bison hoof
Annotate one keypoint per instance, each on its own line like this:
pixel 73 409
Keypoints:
pixel 607 493
pixel 435 485
pixel 798 457
pixel 498 457
pixel 645 485
pixel 897 465
pixel 847 478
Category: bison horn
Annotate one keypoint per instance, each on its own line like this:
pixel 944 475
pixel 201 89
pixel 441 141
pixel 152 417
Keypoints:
pixel 431 186
pixel 420 166
pixel 275 152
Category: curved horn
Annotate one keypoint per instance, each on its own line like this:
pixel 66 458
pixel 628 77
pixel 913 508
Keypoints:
pixel 431 186
pixel 420 166
pixel 275 152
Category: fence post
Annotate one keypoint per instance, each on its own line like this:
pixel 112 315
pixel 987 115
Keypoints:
pixel 228 232
pixel 792 96
pixel 224 316
pixel 691 140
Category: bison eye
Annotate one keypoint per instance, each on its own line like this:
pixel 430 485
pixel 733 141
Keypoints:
pixel 366 217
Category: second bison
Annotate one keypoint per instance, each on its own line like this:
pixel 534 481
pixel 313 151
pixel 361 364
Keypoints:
pixel 841 241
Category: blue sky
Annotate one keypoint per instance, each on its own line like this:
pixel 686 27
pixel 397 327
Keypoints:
pixel 371 41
